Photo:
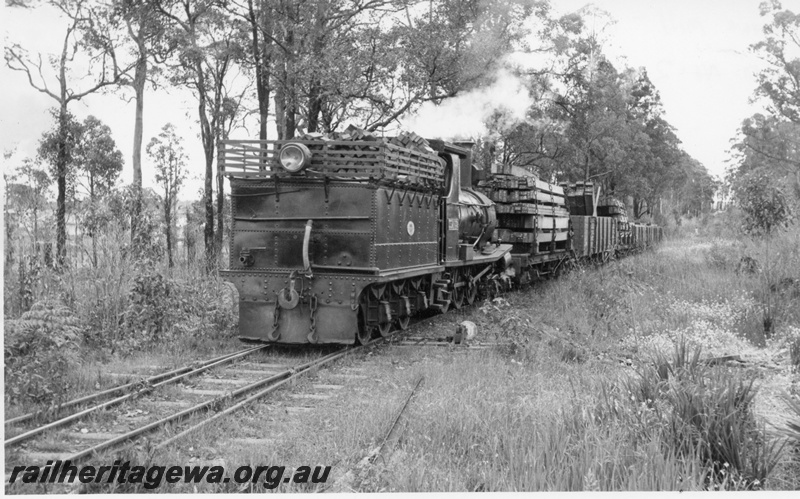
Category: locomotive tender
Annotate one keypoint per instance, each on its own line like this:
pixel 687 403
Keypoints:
pixel 339 241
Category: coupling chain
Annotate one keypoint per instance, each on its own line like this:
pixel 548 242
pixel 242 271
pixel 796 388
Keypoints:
pixel 312 302
pixel 276 317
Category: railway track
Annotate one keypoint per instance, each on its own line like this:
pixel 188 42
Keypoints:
pixel 165 407
pixel 126 392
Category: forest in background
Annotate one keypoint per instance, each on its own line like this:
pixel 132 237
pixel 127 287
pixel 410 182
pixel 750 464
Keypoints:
pixel 317 66
pixel 90 260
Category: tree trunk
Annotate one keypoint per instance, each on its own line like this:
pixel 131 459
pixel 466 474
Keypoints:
pixel 61 159
pixel 168 221
pixel 768 325
pixel 140 77
pixel 208 194
pixel 207 137
pixel 93 235
pixel 314 105
pixel 35 224
pixel 315 87
pixel 587 166
pixel 9 222
pixel 220 217
pixel 61 183
pixel 190 242
pixel 262 63
pixel 285 93
pixel 208 232
pixel 280 106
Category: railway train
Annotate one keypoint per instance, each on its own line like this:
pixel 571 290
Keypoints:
pixel 341 238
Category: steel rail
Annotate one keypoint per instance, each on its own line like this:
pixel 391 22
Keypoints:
pixel 392 428
pixel 61 422
pixel 362 465
pixel 289 373
pixel 298 372
pixel 110 391
pixel 279 380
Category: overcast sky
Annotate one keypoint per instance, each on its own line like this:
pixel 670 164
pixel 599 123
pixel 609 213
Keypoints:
pixel 695 52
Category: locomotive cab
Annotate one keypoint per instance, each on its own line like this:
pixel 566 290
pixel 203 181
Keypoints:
pixel 470 215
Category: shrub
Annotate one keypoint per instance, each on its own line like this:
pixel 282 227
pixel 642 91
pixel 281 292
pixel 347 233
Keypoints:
pixel 722 256
pixel 162 310
pixel 148 303
pixel 41 347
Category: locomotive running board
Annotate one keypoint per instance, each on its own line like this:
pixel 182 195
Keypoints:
pixel 480 258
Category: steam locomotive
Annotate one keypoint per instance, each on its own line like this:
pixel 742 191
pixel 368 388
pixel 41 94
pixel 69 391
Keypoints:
pixel 342 238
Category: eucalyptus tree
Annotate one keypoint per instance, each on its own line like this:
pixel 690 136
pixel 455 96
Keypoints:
pixel 166 153
pixel 25 200
pixel 98 164
pixel 257 17
pixel 779 82
pixel 143 33
pixel 314 58
pixel 440 49
pixel 62 78
pixel 208 47
pixel 593 121
pixel 768 142
pixel 94 162
pixel 320 64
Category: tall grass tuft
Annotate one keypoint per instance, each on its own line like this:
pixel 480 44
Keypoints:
pixel 706 412
pixel 792 430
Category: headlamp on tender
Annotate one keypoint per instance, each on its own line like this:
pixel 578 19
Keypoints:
pixel 294 157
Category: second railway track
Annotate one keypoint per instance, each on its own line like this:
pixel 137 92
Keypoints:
pixel 166 407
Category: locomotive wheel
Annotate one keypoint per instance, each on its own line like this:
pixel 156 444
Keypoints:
pixel 364 333
pixel 402 322
pixel 472 293
pixel 384 294
pixel 457 297
pixel 384 328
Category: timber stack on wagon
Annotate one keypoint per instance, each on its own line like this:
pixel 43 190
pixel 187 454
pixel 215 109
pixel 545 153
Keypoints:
pixel 612 207
pixel 531 215
pixel 594 236
pixel 580 198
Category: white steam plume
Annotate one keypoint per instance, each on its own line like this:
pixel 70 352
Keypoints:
pixel 505 102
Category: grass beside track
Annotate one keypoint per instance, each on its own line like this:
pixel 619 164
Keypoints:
pixel 586 393
pixel 577 398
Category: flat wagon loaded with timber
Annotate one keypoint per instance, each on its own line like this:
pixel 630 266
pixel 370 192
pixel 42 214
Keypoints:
pixel 532 215
pixel 342 237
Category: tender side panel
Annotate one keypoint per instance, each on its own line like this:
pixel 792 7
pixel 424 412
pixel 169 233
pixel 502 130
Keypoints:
pixel 406 229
